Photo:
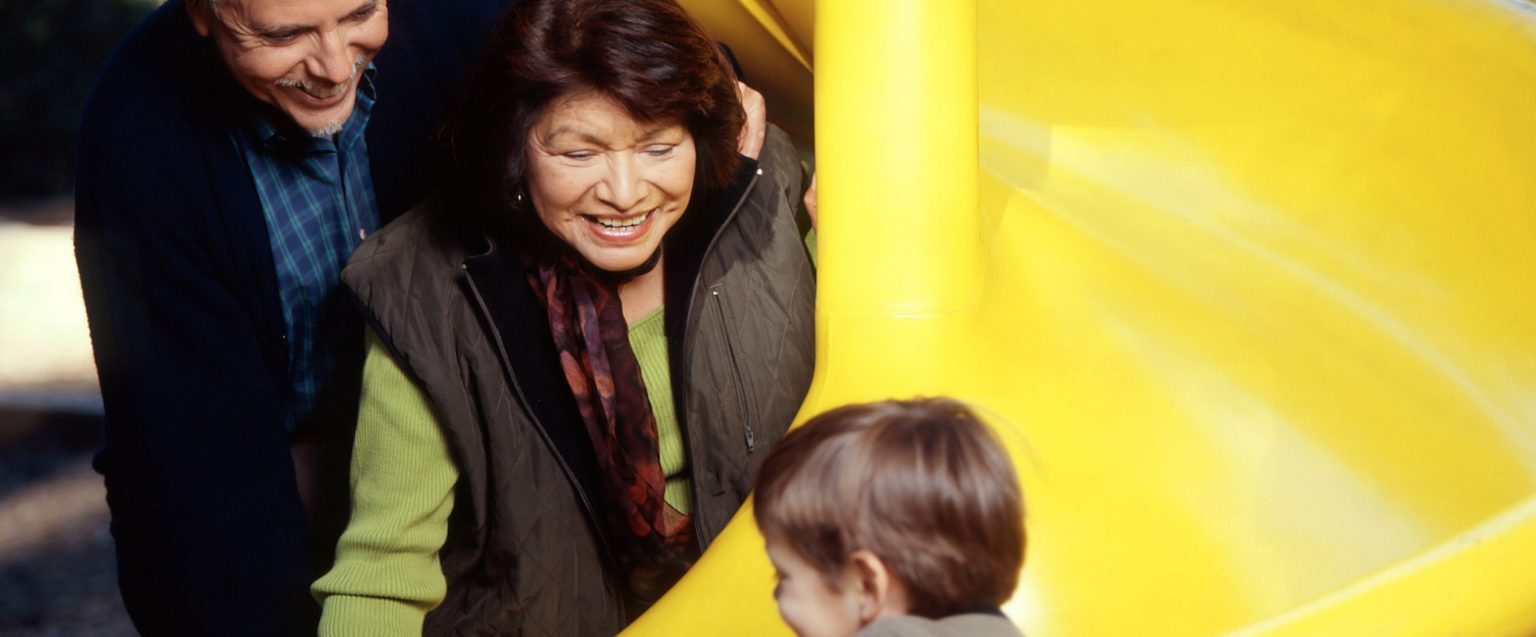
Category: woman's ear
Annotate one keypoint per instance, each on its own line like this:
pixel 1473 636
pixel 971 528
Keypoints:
pixel 881 594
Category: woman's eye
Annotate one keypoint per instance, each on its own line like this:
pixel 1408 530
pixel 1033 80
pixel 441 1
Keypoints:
pixel 579 155
pixel 659 151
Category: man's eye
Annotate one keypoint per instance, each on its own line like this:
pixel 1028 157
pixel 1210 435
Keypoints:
pixel 281 36
pixel 363 13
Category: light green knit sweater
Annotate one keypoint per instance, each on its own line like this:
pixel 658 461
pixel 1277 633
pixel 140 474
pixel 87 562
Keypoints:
pixel 387 575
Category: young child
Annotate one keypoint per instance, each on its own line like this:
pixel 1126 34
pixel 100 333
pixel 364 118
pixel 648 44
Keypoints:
pixel 890 519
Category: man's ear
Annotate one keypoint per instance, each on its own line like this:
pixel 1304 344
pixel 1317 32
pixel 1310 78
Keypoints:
pixel 201 12
pixel 881 594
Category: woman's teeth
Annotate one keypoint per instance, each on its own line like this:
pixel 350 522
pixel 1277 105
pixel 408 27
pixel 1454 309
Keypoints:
pixel 619 224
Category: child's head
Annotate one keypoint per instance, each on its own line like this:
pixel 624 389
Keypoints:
pixel 888 508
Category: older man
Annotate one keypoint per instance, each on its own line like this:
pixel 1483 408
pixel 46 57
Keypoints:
pixel 232 155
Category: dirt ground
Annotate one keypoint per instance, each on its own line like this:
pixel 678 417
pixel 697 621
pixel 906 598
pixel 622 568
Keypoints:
pixel 56 568
pixel 57 575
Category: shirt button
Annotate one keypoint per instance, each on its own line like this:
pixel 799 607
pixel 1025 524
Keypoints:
pixel 362 234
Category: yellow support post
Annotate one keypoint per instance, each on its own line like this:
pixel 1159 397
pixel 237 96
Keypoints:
pixel 901 253
pixel 897 155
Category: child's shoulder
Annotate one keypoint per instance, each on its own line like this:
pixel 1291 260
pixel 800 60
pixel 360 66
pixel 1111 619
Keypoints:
pixel 967 625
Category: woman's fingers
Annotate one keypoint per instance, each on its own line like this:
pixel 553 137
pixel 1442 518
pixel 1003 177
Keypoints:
pixel 755 128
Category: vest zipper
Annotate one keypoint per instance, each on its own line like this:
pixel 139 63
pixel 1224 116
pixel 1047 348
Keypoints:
pixel 730 351
pixel 506 364
pixel 693 453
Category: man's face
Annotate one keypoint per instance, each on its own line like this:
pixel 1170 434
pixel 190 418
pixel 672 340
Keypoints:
pixel 304 57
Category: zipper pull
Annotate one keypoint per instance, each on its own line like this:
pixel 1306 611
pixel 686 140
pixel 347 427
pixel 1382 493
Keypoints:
pixel 751 439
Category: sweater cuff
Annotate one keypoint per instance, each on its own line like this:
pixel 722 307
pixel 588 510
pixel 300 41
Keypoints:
pixel 354 616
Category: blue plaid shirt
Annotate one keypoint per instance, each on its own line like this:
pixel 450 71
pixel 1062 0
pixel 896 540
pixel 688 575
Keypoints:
pixel 317 194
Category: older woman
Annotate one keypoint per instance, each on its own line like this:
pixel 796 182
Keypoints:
pixel 581 351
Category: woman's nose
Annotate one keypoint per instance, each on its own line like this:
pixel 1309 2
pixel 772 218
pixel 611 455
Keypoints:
pixel 622 187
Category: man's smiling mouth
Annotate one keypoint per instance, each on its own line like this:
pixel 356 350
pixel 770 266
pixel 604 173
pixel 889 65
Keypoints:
pixel 323 93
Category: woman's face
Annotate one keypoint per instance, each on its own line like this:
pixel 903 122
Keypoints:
pixel 607 185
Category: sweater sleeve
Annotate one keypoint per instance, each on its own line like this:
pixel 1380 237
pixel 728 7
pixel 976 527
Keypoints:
pixel 387 576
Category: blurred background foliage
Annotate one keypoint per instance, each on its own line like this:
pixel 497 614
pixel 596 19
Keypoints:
pixel 50 52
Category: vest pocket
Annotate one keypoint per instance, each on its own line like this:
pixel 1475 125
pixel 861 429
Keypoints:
pixel 742 409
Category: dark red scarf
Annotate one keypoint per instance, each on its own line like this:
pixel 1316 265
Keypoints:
pixel 655 541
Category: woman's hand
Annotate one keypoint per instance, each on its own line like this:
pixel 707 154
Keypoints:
pixel 810 201
pixel 755 128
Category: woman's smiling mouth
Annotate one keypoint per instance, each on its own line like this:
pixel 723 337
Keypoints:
pixel 619 228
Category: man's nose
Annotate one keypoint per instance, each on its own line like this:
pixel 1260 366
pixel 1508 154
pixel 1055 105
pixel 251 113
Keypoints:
pixel 622 187
pixel 331 61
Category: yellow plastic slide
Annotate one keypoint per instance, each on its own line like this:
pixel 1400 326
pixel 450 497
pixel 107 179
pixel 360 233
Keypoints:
pixel 1249 286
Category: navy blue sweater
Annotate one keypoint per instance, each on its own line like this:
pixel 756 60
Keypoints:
pixel 182 299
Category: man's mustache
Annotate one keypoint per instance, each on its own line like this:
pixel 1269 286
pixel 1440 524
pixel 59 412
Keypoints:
pixel 317 91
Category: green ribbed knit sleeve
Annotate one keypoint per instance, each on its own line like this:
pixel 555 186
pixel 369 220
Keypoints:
pixel 387 575
pixel 811 247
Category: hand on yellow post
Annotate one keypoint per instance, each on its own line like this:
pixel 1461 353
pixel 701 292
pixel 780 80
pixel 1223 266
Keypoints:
pixel 754 129
pixel 810 201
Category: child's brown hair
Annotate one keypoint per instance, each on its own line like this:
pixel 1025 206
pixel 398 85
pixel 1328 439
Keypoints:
pixel 922 484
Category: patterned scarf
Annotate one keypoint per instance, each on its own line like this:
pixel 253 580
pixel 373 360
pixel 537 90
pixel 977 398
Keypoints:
pixel 655 541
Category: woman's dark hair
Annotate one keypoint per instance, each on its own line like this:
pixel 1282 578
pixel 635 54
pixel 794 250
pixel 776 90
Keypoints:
pixel 649 56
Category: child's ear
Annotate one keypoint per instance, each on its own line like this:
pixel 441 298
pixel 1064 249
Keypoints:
pixel 881 594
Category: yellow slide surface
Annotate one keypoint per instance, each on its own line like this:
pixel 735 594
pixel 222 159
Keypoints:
pixel 1249 288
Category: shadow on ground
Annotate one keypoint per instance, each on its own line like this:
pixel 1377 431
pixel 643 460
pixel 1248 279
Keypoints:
pixel 57 575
